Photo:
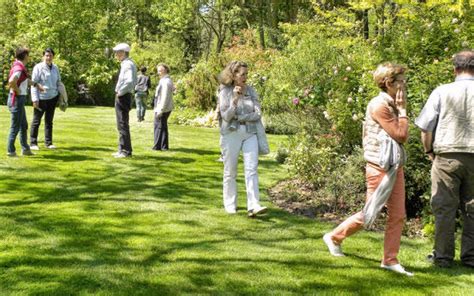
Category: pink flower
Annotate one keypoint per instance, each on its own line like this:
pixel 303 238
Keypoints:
pixel 295 101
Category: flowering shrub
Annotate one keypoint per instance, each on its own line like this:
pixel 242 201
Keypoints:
pixel 328 70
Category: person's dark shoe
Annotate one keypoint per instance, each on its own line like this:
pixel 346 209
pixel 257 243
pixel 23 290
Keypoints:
pixel 431 258
pixel 27 152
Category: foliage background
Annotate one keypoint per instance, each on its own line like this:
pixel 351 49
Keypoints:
pixel 310 61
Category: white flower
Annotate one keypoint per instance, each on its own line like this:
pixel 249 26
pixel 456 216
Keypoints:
pixel 335 72
pixel 326 115
pixel 465 44
pixel 430 25
pixel 350 100
pixel 407 33
pixel 454 21
pixel 361 89
pixel 348 69
pixel 457 31
pixel 446 49
pixel 355 117
pixel 435 61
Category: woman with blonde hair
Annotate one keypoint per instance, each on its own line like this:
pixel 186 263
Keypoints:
pixel 386 119
pixel 240 111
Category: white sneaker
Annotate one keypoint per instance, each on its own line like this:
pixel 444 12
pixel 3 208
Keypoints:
pixel 121 155
pixel 51 146
pixel 397 268
pixel 34 147
pixel 334 249
pixel 257 211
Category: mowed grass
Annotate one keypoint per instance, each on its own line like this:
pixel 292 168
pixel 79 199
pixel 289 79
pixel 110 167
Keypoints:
pixel 76 221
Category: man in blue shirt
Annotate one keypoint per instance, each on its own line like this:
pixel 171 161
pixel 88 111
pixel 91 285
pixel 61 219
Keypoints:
pixel 123 98
pixel 46 74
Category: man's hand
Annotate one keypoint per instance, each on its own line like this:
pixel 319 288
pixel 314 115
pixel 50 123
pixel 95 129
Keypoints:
pixel 40 87
pixel 36 104
pixel 431 156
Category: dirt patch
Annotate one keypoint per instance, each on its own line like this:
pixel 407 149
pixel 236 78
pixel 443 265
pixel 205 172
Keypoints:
pixel 300 198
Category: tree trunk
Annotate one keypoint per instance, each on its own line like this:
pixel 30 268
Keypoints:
pixel 363 17
pixel 261 26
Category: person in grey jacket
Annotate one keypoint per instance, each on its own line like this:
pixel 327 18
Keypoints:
pixel 123 98
pixel 163 107
pixel 447 125
pixel 141 93
pixel 44 102
pixel 240 111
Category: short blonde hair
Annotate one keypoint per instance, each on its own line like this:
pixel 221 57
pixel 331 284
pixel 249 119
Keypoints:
pixel 227 75
pixel 387 72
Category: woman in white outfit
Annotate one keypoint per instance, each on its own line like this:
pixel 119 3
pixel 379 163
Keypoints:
pixel 240 111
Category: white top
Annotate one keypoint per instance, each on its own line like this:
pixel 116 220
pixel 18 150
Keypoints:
pixel 23 86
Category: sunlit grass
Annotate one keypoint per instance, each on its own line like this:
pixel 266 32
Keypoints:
pixel 77 221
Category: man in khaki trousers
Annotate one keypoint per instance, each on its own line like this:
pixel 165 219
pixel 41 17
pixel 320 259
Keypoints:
pixel 447 124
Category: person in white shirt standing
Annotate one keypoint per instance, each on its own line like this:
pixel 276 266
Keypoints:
pixel 47 74
pixel 240 110
pixel 163 107
pixel 123 98
pixel 19 81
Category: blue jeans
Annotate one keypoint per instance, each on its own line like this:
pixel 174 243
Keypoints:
pixel 140 98
pixel 18 123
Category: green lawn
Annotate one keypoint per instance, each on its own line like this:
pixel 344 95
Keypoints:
pixel 77 221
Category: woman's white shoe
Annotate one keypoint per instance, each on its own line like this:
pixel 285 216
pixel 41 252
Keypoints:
pixel 334 249
pixel 397 268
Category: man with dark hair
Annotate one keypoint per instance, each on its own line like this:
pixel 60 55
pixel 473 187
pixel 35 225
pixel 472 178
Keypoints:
pixel 18 80
pixel 47 74
pixel 447 124
pixel 141 93
pixel 123 98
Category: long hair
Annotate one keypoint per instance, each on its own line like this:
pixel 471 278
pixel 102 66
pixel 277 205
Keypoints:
pixel 226 77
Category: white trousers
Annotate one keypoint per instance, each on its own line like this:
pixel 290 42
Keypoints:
pixel 231 145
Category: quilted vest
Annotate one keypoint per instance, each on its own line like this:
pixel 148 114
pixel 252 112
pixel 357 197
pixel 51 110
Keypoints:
pixel 372 129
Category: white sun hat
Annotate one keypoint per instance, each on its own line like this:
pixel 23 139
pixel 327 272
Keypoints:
pixel 122 47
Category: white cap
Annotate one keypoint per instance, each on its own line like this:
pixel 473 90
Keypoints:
pixel 122 46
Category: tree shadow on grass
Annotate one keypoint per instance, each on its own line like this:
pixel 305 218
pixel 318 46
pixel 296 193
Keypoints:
pixel 108 228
